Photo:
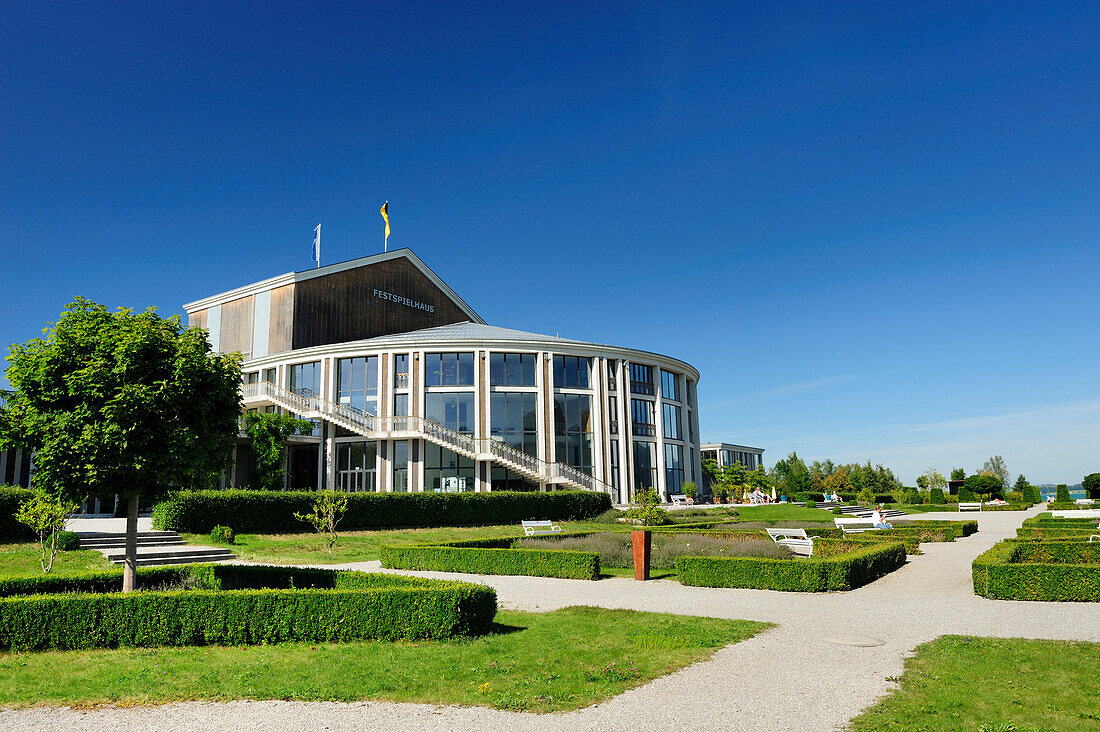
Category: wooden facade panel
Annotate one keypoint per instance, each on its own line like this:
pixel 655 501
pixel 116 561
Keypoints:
pixel 236 330
pixel 197 318
pixel 281 322
pixel 378 299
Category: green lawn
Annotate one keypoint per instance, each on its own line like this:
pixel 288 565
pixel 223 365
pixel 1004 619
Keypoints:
pixel 21 560
pixel 535 661
pixel 992 685
pixel 777 512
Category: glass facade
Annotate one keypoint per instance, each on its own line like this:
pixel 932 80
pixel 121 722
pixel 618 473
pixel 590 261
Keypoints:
pixel 671 422
pixel 401 466
pixel 641 379
pixel 645 466
pixel 357 383
pixel 355 466
pixel 670 386
pixel 505 480
pixel 401 405
pixel 400 370
pixel 445 471
pixel 305 379
pixel 512 369
pixel 454 409
pixel 641 417
pixel 573 430
pixel 514 420
pixel 571 372
pixel 674 468
pixel 449 369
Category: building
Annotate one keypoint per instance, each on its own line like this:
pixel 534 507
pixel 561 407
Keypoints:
pixel 726 455
pixel 410 390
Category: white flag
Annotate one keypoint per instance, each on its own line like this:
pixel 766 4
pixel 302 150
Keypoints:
pixel 317 245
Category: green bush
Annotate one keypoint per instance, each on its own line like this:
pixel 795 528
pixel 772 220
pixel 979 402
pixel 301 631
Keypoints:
pixel 966 495
pixel 68 541
pixel 935 496
pixel 352 606
pixel 911 496
pixel 1045 571
pixel 852 565
pixel 838 511
pixel 222 535
pixel 267 512
pixel 1032 494
pixel 1062 493
pixel 810 503
pixel 493 557
pixel 10 500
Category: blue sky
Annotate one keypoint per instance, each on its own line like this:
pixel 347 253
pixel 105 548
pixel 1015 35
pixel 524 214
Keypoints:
pixel 872 227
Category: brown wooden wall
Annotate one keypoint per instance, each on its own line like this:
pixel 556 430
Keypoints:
pixel 236 327
pixel 281 321
pixel 197 318
pixel 342 306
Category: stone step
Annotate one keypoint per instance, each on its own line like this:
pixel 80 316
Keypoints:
pixel 87 543
pixel 185 556
pixel 154 561
pixel 122 535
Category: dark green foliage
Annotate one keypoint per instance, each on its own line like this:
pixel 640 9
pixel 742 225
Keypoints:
pixel 958 474
pixel 976 484
pixel 268 433
pixel 1062 494
pixel 853 565
pixel 231 605
pixel 810 503
pixel 270 512
pixel 966 495
pixel 1091 484
pixel 10 500
pixel 912 497
pixel 936 497
pixel 1032 494
pixel 222 535
pixel 1048 571
pixel 68 541
pixel 476 560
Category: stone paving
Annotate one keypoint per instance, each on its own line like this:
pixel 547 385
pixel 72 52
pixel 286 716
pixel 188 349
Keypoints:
pixel 830 656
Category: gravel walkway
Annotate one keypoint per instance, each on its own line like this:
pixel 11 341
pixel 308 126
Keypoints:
pixel 830 656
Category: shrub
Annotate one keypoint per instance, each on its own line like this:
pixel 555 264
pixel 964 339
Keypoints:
pixel 267 512
pixel 462 557
pixel 852 565
pixel 353 606
pixel 1032 494
pixel 865 496
pixel 615 550
pixel 68 541
pixel 911 496
pixel 966 495
pixel 10 500
pixel 1045 571
pixel 936 496
pixel 222 535
pixel 1014 497
pixel 810 503
pixel 689 489
pixel 646 510
pixel 1062 494
pixel 838 511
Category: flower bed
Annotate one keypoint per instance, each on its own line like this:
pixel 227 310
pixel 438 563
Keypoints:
pixel 233 605
pixel 1054 571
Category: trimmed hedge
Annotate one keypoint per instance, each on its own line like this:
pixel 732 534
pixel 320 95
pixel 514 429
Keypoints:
pixel 493 556
pixel 1045 571
pixel 233 605
pixel 843 565
pixel 10 529
pixel 265 512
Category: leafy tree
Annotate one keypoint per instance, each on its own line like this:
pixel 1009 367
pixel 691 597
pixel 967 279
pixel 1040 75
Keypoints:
pixel 958 474
pixel 933 478
pixel 995 466
pixel 1091 483
pixel 791 475
pixel 1021 483
pixel 838 482
pixel 983 483
pixel 46 515
pixel 328 509
pixel 121 402
pixel 646 510
pixel 268 433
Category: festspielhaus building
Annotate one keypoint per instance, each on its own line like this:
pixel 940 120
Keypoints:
pixel 408 389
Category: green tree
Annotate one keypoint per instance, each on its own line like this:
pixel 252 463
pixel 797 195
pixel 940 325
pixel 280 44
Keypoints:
pixel 268 433
pixel 646 509
pixel 1021 483
pixel 983 483
pixel 995 466
pixel 45 515
pixel 958 474
pixel 838 482
pixel 122 402
pixel 1061 493
pixel 934 478
pixel 1091 483
pixel 327 511
pixel 791 475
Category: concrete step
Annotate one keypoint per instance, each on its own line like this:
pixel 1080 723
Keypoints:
pixel 122 535
pixel 165 561
pixel 121 543
pixel 185 556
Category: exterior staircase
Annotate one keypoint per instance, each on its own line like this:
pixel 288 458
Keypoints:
pixel 402 428
pixel 154 548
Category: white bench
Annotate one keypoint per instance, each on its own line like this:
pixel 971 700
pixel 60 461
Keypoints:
pixel 680 499
pixel 794 539
pixel 1077 513
pixel 970 506
pixel 854 524
pixel 534 528
pixel 1083 501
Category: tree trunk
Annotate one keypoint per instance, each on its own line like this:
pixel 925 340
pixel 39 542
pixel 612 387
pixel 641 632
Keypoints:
pixel 129 562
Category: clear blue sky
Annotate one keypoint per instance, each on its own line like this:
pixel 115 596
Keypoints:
pixel 873 228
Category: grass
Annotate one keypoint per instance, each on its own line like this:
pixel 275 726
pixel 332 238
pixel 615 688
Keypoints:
pixel 779 512
pixel 540 662
pixel 992 685
pixel 21 560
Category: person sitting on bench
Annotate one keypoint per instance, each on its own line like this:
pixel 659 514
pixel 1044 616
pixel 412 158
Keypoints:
pixel 878 520
pixel 835 498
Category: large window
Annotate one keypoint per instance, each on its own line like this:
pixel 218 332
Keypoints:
pixel 645 466
pixel 641 379
pixel 671 422
pixel 445 471
pixel 400 370
pixel 401 405
pixel 454 409
pixel 401 466
pixel 355 466
pixel 674 468
pixel 449 369
pixel 641 416
pixel 305 379
pixel 505 480
pixel 571 372
pixel 573 430
pixel 357 383
pixel 514 421
pixel 670 386
pixel 512 369
pixel 613 415
pixel 615 469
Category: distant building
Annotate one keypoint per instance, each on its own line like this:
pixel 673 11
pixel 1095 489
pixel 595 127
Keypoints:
pixel 726 455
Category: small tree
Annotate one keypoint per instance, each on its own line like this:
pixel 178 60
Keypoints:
pixel 268 433
pixel 838 481
pixel 979 484
pixel 935 479
pixel 46 516
pixel 958 474
pixel 1062 493
pixel 1021 483
pixel 328 509
pixel 936 497
pixel 1091 484
pixel 995 466
pixel 646 509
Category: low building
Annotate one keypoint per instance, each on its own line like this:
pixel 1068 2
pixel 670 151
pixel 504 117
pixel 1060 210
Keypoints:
pixel 726 454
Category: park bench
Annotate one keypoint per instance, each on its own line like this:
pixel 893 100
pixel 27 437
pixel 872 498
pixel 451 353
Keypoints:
pixel 970 506
pixel 679 499
pixel 1077 513
pixel 1083 501
pixel 854 524
pixel 534 528
pixel 794 539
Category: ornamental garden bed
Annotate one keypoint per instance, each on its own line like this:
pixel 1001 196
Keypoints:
pixel 235 605
pixel 1066 570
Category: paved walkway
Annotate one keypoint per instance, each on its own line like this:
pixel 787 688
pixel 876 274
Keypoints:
pixel 830 656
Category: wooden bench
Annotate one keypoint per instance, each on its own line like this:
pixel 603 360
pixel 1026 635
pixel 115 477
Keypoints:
pixel 970 506
pixel 534 528
pixel 794 539
pixel 680 499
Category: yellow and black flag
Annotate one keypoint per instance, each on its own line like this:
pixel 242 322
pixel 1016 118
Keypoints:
pixel 386 218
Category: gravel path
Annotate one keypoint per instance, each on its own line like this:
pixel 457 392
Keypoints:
pixel 831 655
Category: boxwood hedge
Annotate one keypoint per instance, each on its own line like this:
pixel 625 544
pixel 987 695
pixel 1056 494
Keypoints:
pixel 229 604
pixel 1060 571
pixel 493 556
pixel 264 512
pixel 838 565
